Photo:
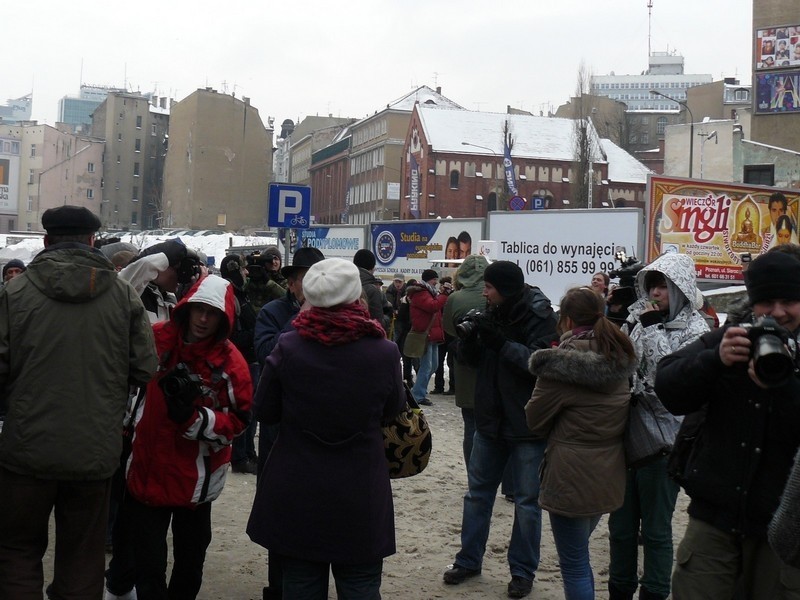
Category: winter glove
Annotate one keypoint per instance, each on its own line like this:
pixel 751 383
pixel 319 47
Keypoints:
pixel 491 335
pixel 179 409
pixel 175 251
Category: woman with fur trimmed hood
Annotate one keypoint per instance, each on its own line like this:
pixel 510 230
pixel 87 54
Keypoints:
pixel 580 403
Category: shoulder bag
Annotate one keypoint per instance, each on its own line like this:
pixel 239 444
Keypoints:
pixel 417 341
pixel 407 440
pixel 650 432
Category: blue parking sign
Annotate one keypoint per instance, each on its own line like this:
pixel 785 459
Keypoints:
pixel 289 206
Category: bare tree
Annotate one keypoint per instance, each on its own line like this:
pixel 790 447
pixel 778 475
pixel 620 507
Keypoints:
pixel 579 184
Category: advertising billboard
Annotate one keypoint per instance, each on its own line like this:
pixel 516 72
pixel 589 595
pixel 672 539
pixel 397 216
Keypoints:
pixel 560 249
pixel 778 92
pixel 715 223
pixel 335 241
pixel 778 47
pixel 408 247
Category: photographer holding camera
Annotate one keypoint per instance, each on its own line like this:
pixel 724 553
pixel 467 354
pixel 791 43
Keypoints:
pixel 499 342
pixel 744 451
pixel 197 404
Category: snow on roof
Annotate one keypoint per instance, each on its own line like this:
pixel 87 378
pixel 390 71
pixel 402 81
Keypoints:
pixel 622 167
pixel 548 138
pixel 425 96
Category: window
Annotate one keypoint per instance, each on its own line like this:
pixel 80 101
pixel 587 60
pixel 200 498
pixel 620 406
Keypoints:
pixel 135 193
pixel 153 129
pixel 11 225
pixel 136 169
pixel 759 174
pixel 14 147
pixel 90 167
pixel 30 175
pixel 137 145
pixel 119 137
pixel 138 121
pixel 645 138
pixel 661 124
pixel 119 159
pixel 134 218
pixel 90 193
pixel 453 179
pixel 33 150
pixel 30 203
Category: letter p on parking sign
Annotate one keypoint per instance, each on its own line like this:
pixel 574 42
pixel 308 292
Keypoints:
pixel 289 206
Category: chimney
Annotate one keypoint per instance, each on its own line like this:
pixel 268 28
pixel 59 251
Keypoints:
pixel 438 89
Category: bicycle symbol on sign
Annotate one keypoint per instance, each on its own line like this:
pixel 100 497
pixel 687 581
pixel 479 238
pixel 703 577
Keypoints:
pixel 299 221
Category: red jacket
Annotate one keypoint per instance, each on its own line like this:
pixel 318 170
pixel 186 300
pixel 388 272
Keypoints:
pixel 424 305
pixel 185 464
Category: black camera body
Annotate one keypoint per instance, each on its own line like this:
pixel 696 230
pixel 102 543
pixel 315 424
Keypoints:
pixel 629 266
pixel 773 350
pixel 467 325
pixel 181 384
pixel 188 270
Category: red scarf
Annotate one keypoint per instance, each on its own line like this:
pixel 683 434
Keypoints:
pixel 337 325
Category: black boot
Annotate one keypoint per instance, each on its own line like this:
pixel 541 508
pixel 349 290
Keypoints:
pixel 645 594
pixel 615 593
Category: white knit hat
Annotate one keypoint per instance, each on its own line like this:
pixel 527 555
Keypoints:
pixel 331 282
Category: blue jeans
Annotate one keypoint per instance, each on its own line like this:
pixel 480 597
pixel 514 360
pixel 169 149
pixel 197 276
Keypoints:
pixel 427 365
pixel 306 580
pixel 650 497
pixel 572 542
pixel 486 466
pixel 468 414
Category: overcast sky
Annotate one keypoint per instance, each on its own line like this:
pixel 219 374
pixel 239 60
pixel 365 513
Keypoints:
pixel 349 59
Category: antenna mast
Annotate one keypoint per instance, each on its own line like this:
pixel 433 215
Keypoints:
pixel 649 26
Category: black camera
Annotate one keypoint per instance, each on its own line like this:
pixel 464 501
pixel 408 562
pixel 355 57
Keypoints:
pixel 773 350
pixel 467 325
pixel 188 270
pixel 181 384
pixel 629 266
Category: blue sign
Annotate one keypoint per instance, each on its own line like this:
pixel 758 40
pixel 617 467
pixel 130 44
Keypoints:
pixel 538 203
pixel 289 206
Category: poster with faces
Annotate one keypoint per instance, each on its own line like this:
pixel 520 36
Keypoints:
pixel 778 47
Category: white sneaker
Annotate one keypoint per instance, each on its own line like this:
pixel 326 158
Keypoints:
pixel 129 596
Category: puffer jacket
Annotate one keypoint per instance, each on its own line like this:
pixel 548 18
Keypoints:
pixel 184 464
pixel 652 342
pixel 580 404
pixel 504 383
pixel 425 304
pixel 468 296
pixel 73 337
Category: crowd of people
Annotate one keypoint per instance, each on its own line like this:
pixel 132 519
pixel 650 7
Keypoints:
pixel 132 432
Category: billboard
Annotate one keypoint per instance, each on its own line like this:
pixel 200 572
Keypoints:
pixel 335 241
pixel 778 92
pixel 777 47
pixel 9 183
pixel 715 223
pixel 560 249
pixel 408 247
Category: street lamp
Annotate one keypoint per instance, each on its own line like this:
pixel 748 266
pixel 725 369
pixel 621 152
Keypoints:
pixel 706 137
pixel 691 126
pixel 479 146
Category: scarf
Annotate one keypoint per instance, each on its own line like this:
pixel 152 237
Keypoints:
pixel 337 325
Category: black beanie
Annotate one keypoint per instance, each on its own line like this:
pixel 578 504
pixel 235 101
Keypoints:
pixel 506 277
pixel 429 274
pixel 14 262
pixel 773 276
pixel 364 259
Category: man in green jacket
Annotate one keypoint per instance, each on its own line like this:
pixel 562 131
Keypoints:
pixel 468 296
pixel 73 338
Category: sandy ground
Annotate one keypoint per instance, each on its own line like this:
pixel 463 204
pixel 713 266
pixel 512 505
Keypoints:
pixel 428 522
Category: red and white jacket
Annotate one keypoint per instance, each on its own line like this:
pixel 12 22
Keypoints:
pixel 182 465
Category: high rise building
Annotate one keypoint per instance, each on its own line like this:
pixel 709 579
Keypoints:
pixel 16 110
pixel 76 112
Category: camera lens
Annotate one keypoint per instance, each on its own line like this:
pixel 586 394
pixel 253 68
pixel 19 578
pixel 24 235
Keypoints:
pixel 771 361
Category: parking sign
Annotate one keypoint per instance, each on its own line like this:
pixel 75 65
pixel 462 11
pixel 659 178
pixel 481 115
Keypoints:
pixel 289 206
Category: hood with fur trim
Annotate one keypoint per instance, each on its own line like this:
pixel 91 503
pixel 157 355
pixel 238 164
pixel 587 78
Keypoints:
pixel 214 291
pixel 580 365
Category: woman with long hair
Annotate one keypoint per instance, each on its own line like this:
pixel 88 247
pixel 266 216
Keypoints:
pixel 580 404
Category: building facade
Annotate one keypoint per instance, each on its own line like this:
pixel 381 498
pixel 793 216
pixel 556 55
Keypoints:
pixel 76 111
pixel 330 174
pixel 219 164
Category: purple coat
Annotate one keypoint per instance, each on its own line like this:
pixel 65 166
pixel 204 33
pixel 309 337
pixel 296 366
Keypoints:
pixel 324 494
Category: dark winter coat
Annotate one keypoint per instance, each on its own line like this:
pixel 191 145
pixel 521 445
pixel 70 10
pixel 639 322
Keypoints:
pixel 273 319
pixel 580 404
pixel 469 295
pixel 504 383
pixel 244 325
pixel 73 337
pixel 742 459
pixel 324 494
pixel 425 304
pixel 375 298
